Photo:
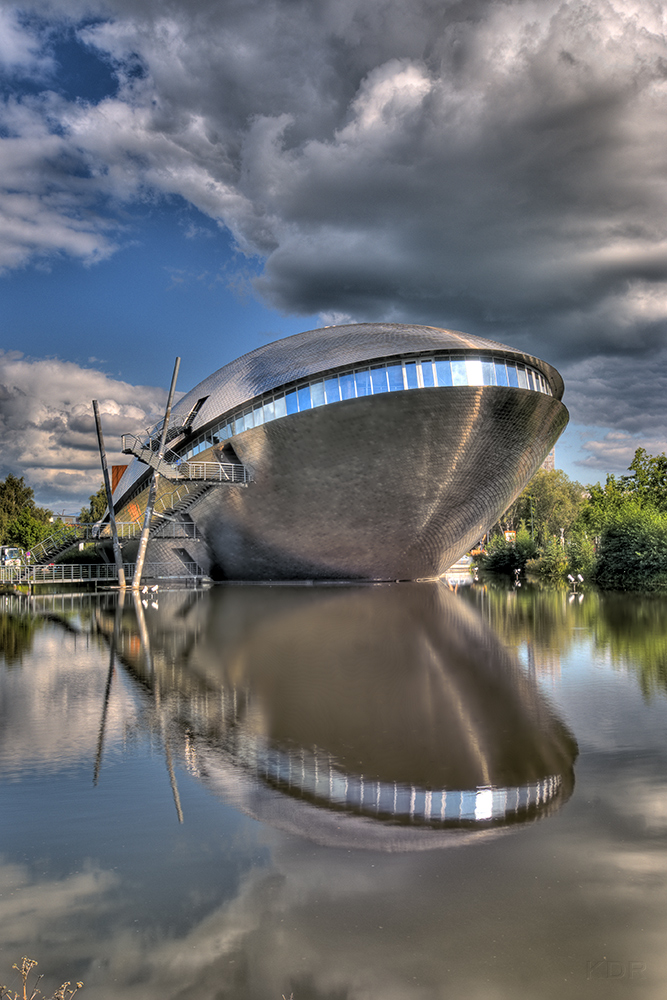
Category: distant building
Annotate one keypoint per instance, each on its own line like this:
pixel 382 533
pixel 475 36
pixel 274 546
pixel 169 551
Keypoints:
pixel 375 451
pixel 65 518
pixel 549 463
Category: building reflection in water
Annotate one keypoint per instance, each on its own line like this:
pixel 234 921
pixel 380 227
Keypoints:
pixel 389 717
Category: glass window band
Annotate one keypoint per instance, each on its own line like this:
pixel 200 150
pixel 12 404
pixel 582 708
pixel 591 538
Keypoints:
pixel 393 376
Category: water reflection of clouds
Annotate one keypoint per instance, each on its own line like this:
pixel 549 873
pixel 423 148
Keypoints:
pixel 322 923
pixel 512 917
pixel 50 706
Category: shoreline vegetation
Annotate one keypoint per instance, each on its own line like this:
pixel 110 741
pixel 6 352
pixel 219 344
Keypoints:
pixel 613 535
pixel 28 991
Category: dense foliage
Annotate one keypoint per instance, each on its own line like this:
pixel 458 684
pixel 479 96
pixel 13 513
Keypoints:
pixel 22 522
pixel 96 510
pixel 614 534
pixel 551 503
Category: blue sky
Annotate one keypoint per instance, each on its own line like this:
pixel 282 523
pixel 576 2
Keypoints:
pixel 199 178
pixel 176 287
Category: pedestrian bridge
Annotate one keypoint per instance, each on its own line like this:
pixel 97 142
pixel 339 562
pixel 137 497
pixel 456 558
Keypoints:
pixel 97 573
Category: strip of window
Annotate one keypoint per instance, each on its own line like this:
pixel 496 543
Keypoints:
pixel 371 380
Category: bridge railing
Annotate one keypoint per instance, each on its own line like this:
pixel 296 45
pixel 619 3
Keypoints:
pixel 82 572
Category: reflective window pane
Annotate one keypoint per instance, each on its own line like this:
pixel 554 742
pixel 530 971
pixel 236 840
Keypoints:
pixel 427 374
pixel 280 406
pixel 411 374
pixel 249 420
pixel 474 371
pixel 269 411
pixel 304 397
pixel 290 402
pixel 443 371
pixel 332 389
pixel 395 376
pixel 346 386
pixel 501 373
pixel 523 378
pixel 363 383
pixel 259 415
pixel 512 375
pixel 459 372
pixel 379 379
pixel 488 372
pixel 317 393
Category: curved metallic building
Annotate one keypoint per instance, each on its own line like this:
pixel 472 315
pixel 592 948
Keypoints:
pixel 375 451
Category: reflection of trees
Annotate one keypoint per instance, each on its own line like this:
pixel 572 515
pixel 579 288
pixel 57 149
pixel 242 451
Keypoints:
pixel 543 618
pixel 630 628
pixel 633 631
pixel 16 636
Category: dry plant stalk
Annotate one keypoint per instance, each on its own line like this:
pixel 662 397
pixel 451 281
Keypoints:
pixel 64 992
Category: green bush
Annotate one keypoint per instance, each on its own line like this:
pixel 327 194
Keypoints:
pixel 552 563
pixel 633 551
pixel 506 557
pixel 580 552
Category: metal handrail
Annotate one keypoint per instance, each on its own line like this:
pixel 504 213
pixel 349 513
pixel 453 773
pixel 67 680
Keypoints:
pixel 169 500
pixel 74 533
pixel 80 572
pixel 70 534
pixel 220 472
pixel 175 529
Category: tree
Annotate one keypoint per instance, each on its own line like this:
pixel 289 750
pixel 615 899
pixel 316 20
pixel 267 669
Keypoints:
pixel 628 515
pixel 15 498
pixel 633 550
pixel 648 482
pixel 506 557
pixel 645 488
pixel 98 506
pixel 550 501
pixel 26 529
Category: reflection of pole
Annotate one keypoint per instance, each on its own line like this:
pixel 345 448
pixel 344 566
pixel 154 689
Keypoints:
pixel 152 489
pixel 118 556
pixel 107 690
pixel 172 776
pixel 143 634
pixel 150 673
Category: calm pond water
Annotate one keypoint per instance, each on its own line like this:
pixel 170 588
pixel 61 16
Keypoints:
pixel 351 792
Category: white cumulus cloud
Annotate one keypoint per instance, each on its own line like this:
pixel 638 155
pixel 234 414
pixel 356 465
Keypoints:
pixel 48 429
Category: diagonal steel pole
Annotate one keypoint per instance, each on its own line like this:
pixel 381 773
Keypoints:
pixel 152 489
pixel 118 555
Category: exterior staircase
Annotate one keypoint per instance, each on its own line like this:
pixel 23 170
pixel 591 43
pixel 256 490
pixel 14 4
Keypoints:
pixel 230 473
pixel 50 548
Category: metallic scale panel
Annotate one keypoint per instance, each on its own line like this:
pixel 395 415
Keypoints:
pixel 389 487
pixel 318 351
pixel 394 487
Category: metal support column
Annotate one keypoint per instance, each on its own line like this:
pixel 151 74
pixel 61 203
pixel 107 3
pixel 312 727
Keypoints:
pixel 118 556
pixel 152 489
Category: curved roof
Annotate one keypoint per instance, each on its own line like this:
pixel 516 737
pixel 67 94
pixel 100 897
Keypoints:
pixel 315 351
pixel 305 354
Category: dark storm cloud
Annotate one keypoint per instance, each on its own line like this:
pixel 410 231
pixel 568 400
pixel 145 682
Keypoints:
pixel 493 166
